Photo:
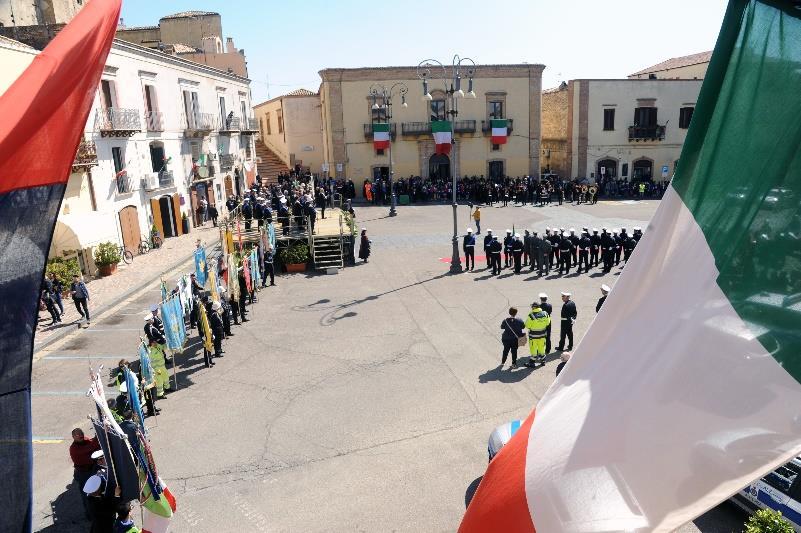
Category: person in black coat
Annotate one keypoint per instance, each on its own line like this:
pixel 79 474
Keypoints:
pixel 517 252
pixel 321 200
pixel 604 293
pixel 495 252
pixel 487 244
pixel 213 214
pixel 283 217
pixel 269 268
pixel 548 308
pixel 568 315
pixel 217 328
pixel 364 246
pixel 512 329
pixel 311 213
pixel 247 212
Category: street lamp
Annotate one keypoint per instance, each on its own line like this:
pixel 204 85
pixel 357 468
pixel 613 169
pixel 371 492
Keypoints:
pixel 452 94
pixel 385 94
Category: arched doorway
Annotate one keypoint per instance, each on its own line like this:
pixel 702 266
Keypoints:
pixel 495 170
pixel 229 186
pixel 129 225
pixel 439 166
pixel 642 169
pixel 606 168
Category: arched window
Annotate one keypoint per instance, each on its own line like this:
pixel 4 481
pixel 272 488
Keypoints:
pixel 643 169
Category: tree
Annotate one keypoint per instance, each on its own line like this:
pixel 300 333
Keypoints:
pixel 768 521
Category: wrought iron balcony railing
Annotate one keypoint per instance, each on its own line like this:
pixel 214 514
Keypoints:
pixel 415 128
pixel 646 133
pixel 118 122
pixel 226 162
pixel 250 126
pixel 229 124
pixel 464 126
pixel 124 184
pixel 368 130
pixel 486 125
pixel 166 179
pixel 86 156
pixel 154 120
pixel 199 123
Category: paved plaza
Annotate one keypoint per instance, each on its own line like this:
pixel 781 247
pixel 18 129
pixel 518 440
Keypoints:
pixel 360 401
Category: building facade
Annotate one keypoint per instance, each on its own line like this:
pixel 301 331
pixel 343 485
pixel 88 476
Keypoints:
pixel 691 67
pixel 511 92
pixel 38 12
pixel 291 127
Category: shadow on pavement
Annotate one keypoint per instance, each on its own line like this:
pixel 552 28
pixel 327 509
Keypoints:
pixel 505 376
pixel 67 512
pixel 471 490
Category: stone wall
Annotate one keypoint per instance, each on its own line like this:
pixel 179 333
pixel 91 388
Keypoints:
pixel 554 131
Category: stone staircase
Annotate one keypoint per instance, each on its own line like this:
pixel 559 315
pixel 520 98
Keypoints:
pixel 327 252
pixel 270 165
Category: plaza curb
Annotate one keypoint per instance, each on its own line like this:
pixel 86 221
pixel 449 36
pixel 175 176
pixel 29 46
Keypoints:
pixel 133 290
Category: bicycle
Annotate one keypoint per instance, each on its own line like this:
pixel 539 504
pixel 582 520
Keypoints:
pixel 126 255
pixel 145 245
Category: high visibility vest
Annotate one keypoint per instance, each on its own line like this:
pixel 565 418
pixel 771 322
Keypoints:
pixel 537 323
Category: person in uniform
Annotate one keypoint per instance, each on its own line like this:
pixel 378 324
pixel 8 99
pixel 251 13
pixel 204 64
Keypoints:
pixel 537 324
pixel 535 252
pixel 487 244
pixel 547 251
pixel 607 249
pixel 628 246
pixel 527 249
pixel 618 247
pixel 595 247
pixel 495 253
pixel 637 233
pixel 604 292
pixel 517 252
pixel 584 245
pixel 507 249
pixel 548 308
pixel 512 330
pixel 469 248
pixel 217 328
pixel 159 364
pixel 574 240
pixel 565 247
pixel 568 315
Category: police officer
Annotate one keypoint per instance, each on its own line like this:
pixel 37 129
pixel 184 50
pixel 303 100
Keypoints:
pixel 607 249
pixel 517 252
pixel 226 313
pixel 604 292
pixel 537 323
pixel 469 247
pixel 595 247
pixel 535 251
pixel 574 240
pixel 547 250
pixel 527 249
pixel 152 332
pixel 217 328
pixel 507 249
pixel 584 246
pixel 637 233
pixel 554 239
pixel 487 243
pixel 247 212
pixel 628 246
pixel 548 308
pixel 269 268
pixel 495 255
pixel 565 249
pixel 618 247
pixel 568 315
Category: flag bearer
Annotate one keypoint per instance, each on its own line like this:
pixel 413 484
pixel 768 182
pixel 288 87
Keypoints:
pixel 537 324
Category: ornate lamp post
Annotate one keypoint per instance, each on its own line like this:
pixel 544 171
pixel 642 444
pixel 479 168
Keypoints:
pixel 378 91
pixel 453 92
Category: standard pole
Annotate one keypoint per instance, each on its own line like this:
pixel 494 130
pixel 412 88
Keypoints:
pixel 392 211
pixel 456 262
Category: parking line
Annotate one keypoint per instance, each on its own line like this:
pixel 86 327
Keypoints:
pixel 101 330
pixel 46 440
pixel 59 393
pixel 84 357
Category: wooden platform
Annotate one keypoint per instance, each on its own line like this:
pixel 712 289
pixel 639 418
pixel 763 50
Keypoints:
pixel 327 227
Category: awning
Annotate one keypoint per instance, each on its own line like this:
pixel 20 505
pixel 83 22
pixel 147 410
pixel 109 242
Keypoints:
pixel 79 231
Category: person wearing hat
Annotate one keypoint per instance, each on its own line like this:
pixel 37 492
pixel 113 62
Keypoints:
pixel 548 308
pixel 553 238
pixel 527 256
pixel 565 357
pixel 537 324
pixel 512 330
pixel 364 246
pixel 226 313
pixel 495 254
pixel 595 247
pixel 574 241
pixel 102 507
pixel 507 249
pixel 629 243
pixel 469 248
pixel 217 327
pixel 618 247
pixel 604 292
pixel 568 316
pixel 487 245
pixel 583 246
pixel 637 233
pixel 607 250
pixel 517 252
pixel 565 251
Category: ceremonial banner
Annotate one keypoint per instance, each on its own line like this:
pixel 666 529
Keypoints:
pixel 246 273
pixel 179 314
pixel 500 131
pixel 131 383
pixel 157 510
pixel 442 136
pixel 146 369
pixel 212 272
pixel 208 341
pixel 229 239
pixel 201 269
pixel 687 385
pixel 380 135
pixel 233 278
pixel 163 291
pixel 43 114
pixel 172 324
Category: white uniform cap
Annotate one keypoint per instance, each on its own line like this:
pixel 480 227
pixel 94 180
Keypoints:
pixel 566 294
pixel 595 230
pixel 489 231
pixel 637 228
pixel 561 229
pixel 97 455
pixel 547 229
pixel 572 230
pixel 508 230
pixel 517 235
pixel 92 484
pixel 543 295
pixel 364 229
pixel 469 230
pixel 216 306
pixel 222 290
pixel 123 387
pixel 603 229
pixel 148 317
pixel 605 288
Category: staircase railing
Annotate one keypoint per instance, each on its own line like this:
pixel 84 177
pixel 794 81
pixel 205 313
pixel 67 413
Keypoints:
pixel 341 247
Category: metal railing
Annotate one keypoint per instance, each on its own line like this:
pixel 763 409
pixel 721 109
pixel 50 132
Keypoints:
pixel 415 128
pixel 86 155
pixel 250 125
pixel 124 184
pixel 464 126
pixel 646 133
pixel 486 125
pixel 368 130
pixel 154 120
pixel 226 162
pixel 205 122
pixel 166 179
pixel 230 124
pixel 118 119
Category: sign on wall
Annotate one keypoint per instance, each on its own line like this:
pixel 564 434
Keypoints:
pixel 665 170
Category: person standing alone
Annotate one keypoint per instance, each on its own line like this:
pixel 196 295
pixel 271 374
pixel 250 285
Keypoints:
pixel 477 220
pixel 568 316
pixel 80 296
pixel 512 330
pixel 469 247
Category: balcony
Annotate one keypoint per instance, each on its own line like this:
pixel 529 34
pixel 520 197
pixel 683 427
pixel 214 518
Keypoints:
pixel 486 125
pixel 166 179
pixel 154 120
pixel 124 184
pixel 250 126
pixel 646 133
pixel 368 131
pixel 464 126
pixel 118 122
pixel 230 124
pixel 199 124
pixel 226 162
pixel 86 156
pixel 415 128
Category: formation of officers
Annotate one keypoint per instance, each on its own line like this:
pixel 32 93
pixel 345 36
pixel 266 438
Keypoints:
pixel 557 248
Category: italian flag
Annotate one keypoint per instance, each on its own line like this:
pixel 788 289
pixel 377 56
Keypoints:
pixel 157 513
pixel 381 135
pixel 443 136
pixel 500 130
pixel 687 386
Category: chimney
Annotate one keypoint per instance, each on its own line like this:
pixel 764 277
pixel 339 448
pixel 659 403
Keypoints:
pixel 229 46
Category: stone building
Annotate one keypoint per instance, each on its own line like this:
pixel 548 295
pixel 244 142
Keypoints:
pixel 554 131
pixel 691 67
pixel 38 12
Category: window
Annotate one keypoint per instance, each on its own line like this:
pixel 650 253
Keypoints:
pixel 280 116
pixel 195 147
pixel 151 104
pixel 248 149
pixel 223 114
pixel 380 151
pixel 609 119
pixel 624 170
pixel 380 114
pixel 157 159
pixel 437 110
pixel 107 93
pixel 269 128
pixel 119 161
pixel 191 108
pixel 496 147
pixel 645 117
pixel 244 109
pixel 685 116
pixel 495 109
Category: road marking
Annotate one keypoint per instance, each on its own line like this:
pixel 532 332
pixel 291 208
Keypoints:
pixel 101 330
pixel 46 440
pixel 59 393
pixel 84 357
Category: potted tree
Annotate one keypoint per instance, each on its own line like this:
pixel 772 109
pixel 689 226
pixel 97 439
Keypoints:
pixel 294 257
pixel 107 255
pixel 185 223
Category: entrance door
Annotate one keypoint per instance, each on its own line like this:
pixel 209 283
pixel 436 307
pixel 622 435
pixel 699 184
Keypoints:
pixel 229 186
pixel 439 166
pixel 129 224
pixel 606 168
pixel 380 172
pixel 495 170
pixel 642 170
pixel 155 208
pixel 168 217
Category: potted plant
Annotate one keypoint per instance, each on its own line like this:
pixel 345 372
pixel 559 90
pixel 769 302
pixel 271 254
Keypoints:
pixel 768 521
pixel 185 223
pixel 107 255
pixel 294 257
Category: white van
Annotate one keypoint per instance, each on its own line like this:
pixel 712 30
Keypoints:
pixel 780 490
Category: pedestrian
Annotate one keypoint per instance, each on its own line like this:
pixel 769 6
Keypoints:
pixel 565 357
pixel 595 247
pixel 46 296
pixel 507 249
pixel 604 293
pixel 565 248
pixel 213 214
pixel 217 328
pixel 574 241
pixel 80 296
pixel 124 522
pixel 517 252
pixel 269 268
pixel 618 247
pixel 548 308
pixel 321 200
pixel 364 246
pixel 629 243
pixel 103 507
pixel 584 245
pixel 607 250
pixel 545 255
pixel 512 331
pixel 495 252
pixel 243 294
pixel 477 220
pixel 568 316
pixel 159 364
pixel 57 291
pixel 527 249
pixel 487 244
pixel 469 247
pixel 225 314
pixel 81 450
pixel 537 324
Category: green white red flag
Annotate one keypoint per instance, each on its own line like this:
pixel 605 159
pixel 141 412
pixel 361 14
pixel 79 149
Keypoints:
pixel 687 385
pixel 500 130
pixel 381 136
pixel 443 136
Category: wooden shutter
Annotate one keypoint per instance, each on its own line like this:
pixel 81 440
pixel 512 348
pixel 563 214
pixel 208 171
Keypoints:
pixel 156 209
pixel 176 208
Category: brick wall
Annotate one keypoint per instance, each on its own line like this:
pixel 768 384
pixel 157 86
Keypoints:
pixel 36 36
pixel 554 131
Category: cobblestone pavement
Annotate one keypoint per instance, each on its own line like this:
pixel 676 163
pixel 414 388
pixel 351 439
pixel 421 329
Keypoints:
pixel 106 291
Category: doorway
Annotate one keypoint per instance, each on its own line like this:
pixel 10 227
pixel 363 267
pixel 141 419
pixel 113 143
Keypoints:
pixel 642 169
pixel 229 186
pixel 439 167
pixel 495 170
pixel 380 172
pixel 168 218
pixel 129 225
pixel 606 168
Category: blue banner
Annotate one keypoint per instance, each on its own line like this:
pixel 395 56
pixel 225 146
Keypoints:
pixel 172 326
pixel 133 398
pixel 200 266
pixel 144 363
pixel 179 315
pixel 271 230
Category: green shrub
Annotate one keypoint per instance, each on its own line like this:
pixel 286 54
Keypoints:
pixel 294 254
pixel 768 521
pixel 107 253
pixel 64 269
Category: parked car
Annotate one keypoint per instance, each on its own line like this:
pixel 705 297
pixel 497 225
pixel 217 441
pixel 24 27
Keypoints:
pixel 500 436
